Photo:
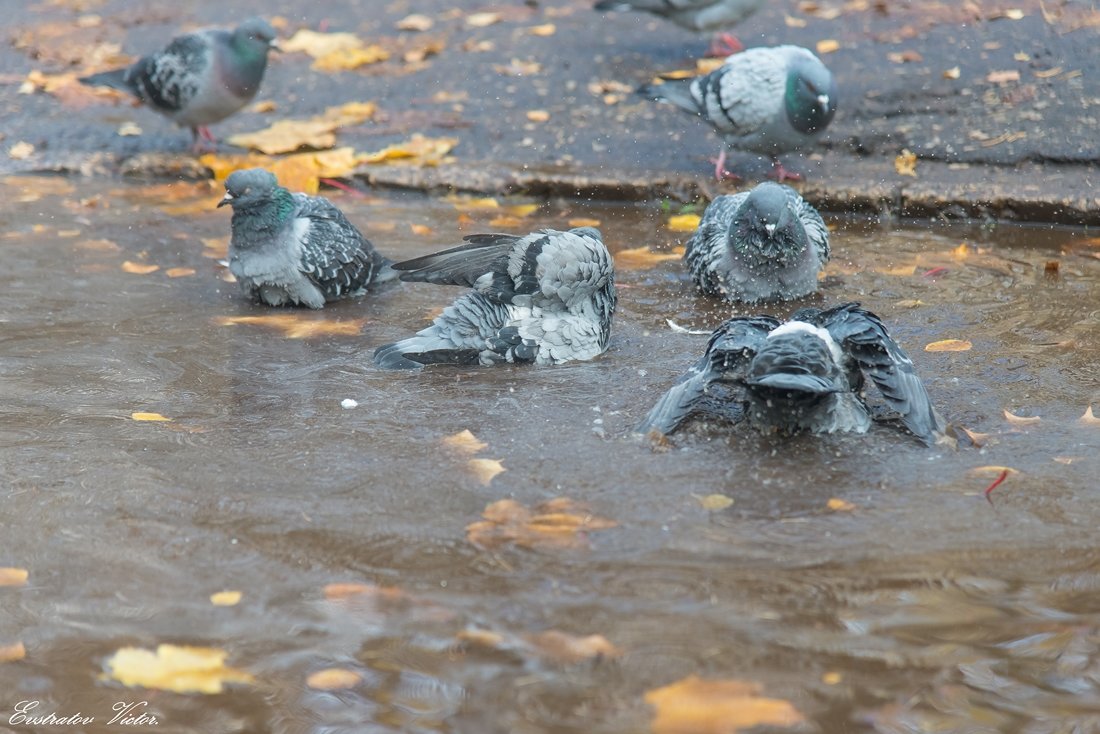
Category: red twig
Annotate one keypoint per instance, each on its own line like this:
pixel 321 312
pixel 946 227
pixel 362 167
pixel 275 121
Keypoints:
pixel 934 272
pixel 991 487
pixel 341 185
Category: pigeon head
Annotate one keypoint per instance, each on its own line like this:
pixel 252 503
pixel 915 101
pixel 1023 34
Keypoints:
pixel 765 228
pixel 793 374
pixel 255 35
pixel 810 97
pixel 249 188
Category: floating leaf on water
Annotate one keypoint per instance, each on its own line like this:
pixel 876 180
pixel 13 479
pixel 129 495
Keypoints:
pixel 464 442
pixel 953 73
pixel 713 502
pixel 546 29
pixel 97 246
pixel 828 46
pixel 333 679
pixel 264 106
pixel 482 638
pixel 468 203
pixel 990 471
pixel 129 266
pixel 1003 77
pixel 538 115
pixel 583 222
pixel 415 22
pixel 1020 420
pixel 641 258
pixel 909 303
pixel 176 668
pixel 948 345
pixel 905 163
pixel 835 504
pixel 179 272
pixel 13 652
pixel 694 705
pixel 225 598
pixel 832 678
pixel 505 221
pixel 13 576
pixel 684 222
pixel 1088 419
pixel 564 648
pixel 21 150
pixel 516 67
pixel 792 22
pixel 216 248
pixel 522 210
pixel 978 439
pixel 155 417
pixel 485 469
pixel 294 326
pixel 560 523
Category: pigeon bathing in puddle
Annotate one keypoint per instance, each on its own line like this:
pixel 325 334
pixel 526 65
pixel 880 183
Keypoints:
pixel 545 298
pixel 768 101
pixel 695 15
pixel 761 245
pixel 291 249
pixel 200 78
pixel 803 375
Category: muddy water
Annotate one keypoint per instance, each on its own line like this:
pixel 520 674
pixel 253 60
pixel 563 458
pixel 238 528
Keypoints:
pixel 924 608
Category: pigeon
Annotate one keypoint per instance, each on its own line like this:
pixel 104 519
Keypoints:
pixel 761 245
pixel 200 78
pixel 803 375
pixel 770 101
pixel 545 298
pixel 292 249
pixel 694 15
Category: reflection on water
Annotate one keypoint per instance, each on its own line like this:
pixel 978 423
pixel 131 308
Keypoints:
pixel 924 608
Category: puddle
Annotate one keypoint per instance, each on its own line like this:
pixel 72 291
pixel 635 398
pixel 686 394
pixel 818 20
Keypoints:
pixel 923 607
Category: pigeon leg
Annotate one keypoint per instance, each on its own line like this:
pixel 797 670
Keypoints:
pixel 723 45
pixel 202 140
pixel 781 174
pixel 720 172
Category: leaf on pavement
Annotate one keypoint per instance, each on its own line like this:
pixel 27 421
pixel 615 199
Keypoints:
pixel 415 22
pixel 641 258
pixel 285 136
pixel 694 705
pixel 13 576
pixel 684 222
pixel 334 51
pixel 418 150
pixel 181 669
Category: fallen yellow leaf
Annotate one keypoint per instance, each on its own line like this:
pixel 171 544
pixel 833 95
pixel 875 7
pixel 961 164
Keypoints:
pixel 538 115
pixel 1088 419
pixel 481 20
pixel 295 326
pixel 485 469
pixel 13 576
pixel 505 221
pixel 990 471
pixel 1021 420
pixel 466 203
pixel 179 272
pixel 948 345
pixel 1002 77
pixel 420 229
pixel 640 258
pixel 583 222
pixel 697 706
pixel 828 46
pixel 129 266
pixel 835 504
pixel 684 222
pixel 319 45
pixel 316 132
pixel 414 22
pixel 13 652
pixel 97 246
pixel 333 679
pixel 953 73
pixel 831 678
pixel 419 149
pixel 522 210
pixel 565 648
pixel 464 442
pixel 546 29
pixel 714 502
pixel 351 58
pixel 225 598
pixel 148 417
pixel 174 668
pixel 560 523
pixel 216 248
pixel 905 163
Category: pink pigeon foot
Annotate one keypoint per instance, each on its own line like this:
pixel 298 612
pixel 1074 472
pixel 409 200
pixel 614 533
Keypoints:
pixel 781 174
pixel 723 45
pixel 720 172
pixel 203 141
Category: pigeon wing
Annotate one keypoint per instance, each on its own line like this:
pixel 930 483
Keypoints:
pixel 704 251
pixel 336 257
pixel 168 80
pixel 863 337
pixel 814 225
pixel 484 256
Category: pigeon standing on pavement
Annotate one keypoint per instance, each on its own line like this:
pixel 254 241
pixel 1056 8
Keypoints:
pixel 694 15
pixel 760 245
pixel 291 249
pixel 769 101
pixel 804 375
pixel 200 78
pixel 545 298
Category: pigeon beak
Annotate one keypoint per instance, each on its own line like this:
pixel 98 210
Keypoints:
pixel 227 199
pixel 770 229
pixel 273 44
pixel 823 100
